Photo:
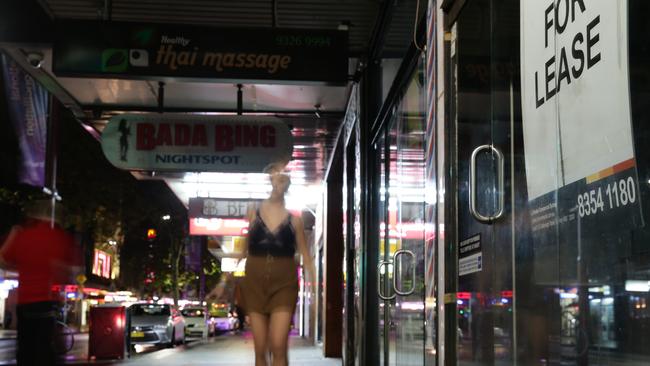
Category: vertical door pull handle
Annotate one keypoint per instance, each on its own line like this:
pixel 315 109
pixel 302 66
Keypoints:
pixel 500 185
pixel 397 289
pixel 382 263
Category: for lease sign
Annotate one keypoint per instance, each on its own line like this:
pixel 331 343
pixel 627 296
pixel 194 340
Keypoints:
pixel 575 90
pixel 176 142
pixel 580 164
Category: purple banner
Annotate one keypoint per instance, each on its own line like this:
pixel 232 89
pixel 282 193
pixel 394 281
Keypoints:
pixel 28 105
pixel 193 253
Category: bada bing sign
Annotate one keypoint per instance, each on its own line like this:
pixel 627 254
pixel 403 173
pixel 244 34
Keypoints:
pixel 174 142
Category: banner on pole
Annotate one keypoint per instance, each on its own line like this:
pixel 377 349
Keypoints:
pixel 28 104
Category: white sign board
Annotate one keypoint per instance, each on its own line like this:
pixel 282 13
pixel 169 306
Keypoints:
pixel 575 90
pixel 233 264
pixel 470 264
pixel 470 255
pixel 206 207
pixel 180 142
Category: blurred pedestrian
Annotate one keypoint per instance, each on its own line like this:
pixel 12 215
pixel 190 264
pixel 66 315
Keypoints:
pixel 41 252
pixel 270 286
pixel 237 303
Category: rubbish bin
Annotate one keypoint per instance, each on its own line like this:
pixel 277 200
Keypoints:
pixel 107 334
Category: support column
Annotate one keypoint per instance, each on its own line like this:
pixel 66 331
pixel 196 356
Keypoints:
pixel 371 100
pixel 333 269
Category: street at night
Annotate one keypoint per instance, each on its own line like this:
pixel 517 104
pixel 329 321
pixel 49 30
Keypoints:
pixel 325 182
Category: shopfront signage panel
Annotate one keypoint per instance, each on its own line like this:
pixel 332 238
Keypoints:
pixel 224 208
pixel 575 90
pixel 193 143
pixel 135 50
pixel 580 163
pixel 218 227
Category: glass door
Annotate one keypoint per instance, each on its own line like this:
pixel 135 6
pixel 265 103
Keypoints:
pixel 481 245
pixel 385 269
pixel 549 240
pixel 401 255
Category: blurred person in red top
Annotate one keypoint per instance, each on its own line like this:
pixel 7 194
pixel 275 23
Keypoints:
pixel 41 252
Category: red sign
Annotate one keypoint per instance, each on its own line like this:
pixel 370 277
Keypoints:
pixel 222 227
pixel 218 227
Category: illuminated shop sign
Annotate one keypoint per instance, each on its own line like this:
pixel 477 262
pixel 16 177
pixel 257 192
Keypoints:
pixel 407 230
pixel 580 162
pixel 218 227
pixel 219 207
pixel 102 264
pixel 118 49
pixel 232 265
pixel 175 142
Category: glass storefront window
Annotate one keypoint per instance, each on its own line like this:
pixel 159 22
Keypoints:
pixel 558 91
pixel 402 224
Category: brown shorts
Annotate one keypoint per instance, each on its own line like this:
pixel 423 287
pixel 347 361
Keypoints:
pixel 271 284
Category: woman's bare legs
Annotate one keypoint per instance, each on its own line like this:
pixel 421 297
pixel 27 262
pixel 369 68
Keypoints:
pixel 260 327
pixel 279 336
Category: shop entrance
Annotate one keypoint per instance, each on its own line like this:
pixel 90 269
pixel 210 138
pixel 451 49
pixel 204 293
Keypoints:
pixel 484 109
pixel 547 264
pixel 401 161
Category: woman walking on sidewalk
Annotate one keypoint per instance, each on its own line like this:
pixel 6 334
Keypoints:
pixel 270 287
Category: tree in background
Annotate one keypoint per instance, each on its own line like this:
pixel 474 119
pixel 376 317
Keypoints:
pixel 107 208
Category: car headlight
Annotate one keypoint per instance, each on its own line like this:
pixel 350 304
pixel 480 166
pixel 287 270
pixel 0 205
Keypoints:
pixel 158 326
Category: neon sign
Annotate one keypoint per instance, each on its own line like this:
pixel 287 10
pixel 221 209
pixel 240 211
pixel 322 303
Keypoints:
pixel 102 264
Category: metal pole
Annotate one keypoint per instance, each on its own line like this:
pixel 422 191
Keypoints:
pixel 161 97
pixel 52 150
pixel 107 14
pixel 240 100
pixel 274 13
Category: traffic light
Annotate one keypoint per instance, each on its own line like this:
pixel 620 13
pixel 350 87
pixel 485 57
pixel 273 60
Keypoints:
pixel 151 234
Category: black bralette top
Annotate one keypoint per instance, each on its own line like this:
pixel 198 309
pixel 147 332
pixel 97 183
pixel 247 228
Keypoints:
pixel 279 243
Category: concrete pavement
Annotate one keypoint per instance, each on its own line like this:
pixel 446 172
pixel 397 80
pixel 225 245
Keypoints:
pixel 226 349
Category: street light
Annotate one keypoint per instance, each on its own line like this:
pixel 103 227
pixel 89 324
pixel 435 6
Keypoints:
pixel 166 217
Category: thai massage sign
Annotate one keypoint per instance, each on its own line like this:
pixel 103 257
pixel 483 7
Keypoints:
pixel 139 50
pixel 177 142
pixel 579 151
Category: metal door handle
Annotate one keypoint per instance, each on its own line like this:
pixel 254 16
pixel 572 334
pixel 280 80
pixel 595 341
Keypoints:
pixel 382 263
pixel 500 183
pixel 395 287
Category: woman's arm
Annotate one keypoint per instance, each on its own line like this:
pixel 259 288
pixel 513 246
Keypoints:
pixel 218 291
pixel 301 243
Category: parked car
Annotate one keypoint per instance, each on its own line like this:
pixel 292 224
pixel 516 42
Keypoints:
pixel 220 318
pixel 156 324
pixel 196 321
